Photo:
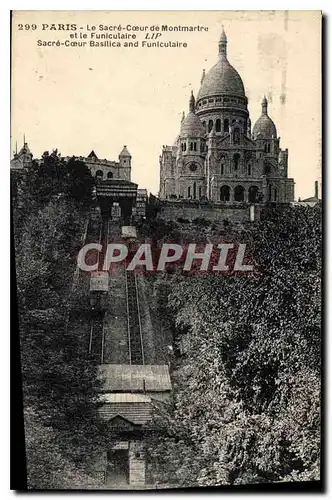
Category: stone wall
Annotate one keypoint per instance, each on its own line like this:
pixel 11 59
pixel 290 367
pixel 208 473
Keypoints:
pixel 192 210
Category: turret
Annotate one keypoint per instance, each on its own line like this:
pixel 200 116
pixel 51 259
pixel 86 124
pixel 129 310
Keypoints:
pixel 223 43
pixel 249 128
pixel 125 163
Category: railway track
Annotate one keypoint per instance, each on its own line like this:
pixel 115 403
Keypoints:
pixel 97 339
pixel 97 333
pixel 96 230
pixel 135 338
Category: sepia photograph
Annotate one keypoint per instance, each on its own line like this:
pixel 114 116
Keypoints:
pixel 166 219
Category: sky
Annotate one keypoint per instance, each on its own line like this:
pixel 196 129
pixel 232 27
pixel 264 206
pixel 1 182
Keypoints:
pixel 77 99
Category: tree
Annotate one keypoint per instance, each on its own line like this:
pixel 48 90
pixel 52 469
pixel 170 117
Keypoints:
pixel 60 386
pixel 247 385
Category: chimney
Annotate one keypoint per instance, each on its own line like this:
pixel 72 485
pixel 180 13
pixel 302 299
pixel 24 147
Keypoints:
pixel 316 189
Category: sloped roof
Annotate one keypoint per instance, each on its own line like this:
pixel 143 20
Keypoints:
pixel 137 413
pixel 125 152
pixel 138 378
pixel 93 155
pixel 125 397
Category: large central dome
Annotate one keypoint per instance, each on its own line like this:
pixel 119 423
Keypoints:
pixel 222 78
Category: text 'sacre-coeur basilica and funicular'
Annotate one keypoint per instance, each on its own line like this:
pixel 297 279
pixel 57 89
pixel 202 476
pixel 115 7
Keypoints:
pixel 217 166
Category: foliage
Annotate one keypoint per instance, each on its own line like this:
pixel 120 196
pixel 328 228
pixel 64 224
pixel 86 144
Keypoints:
pixel 60 386
pixel 247 383
pixel 47 465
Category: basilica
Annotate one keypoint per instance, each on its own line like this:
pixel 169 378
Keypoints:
pixel 217 157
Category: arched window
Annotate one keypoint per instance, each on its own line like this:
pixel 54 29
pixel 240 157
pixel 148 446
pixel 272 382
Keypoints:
pixel 236 161
pixel 236 136
pixel 267 169
pixel 239 193
pixel 189 192
pixel 99 174
pixel 191 146
pixel 269 148
pixel 275 194
pixel 226 126
pixel 204 125
pixel 194 191
pixel 249 168
pixel 270 192
pixel 222 165
pixel 109 175
pixel 210 127
pixel 224 193
pixel 265 148
pixel 218 125
pixel 252 194
pixel 195 146
pixel 200 192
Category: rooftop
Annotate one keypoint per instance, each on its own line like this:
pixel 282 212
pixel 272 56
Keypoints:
pixel 138 378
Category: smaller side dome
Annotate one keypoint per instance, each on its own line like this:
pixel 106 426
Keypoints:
pixel 264 128
pixel 191 125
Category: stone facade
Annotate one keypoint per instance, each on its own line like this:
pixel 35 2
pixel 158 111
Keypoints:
pixel 100 168
pixel 191 209
pixel 216 156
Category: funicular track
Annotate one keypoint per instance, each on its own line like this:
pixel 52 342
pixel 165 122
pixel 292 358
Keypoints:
pixel 97 335
pixel 99 230
pixel 135 339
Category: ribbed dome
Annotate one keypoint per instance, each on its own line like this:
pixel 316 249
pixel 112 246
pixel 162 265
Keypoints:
pixel 264 128
pixel 191 125
pixel 221 79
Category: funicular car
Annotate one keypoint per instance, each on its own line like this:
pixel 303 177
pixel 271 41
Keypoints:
pixel 99 283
